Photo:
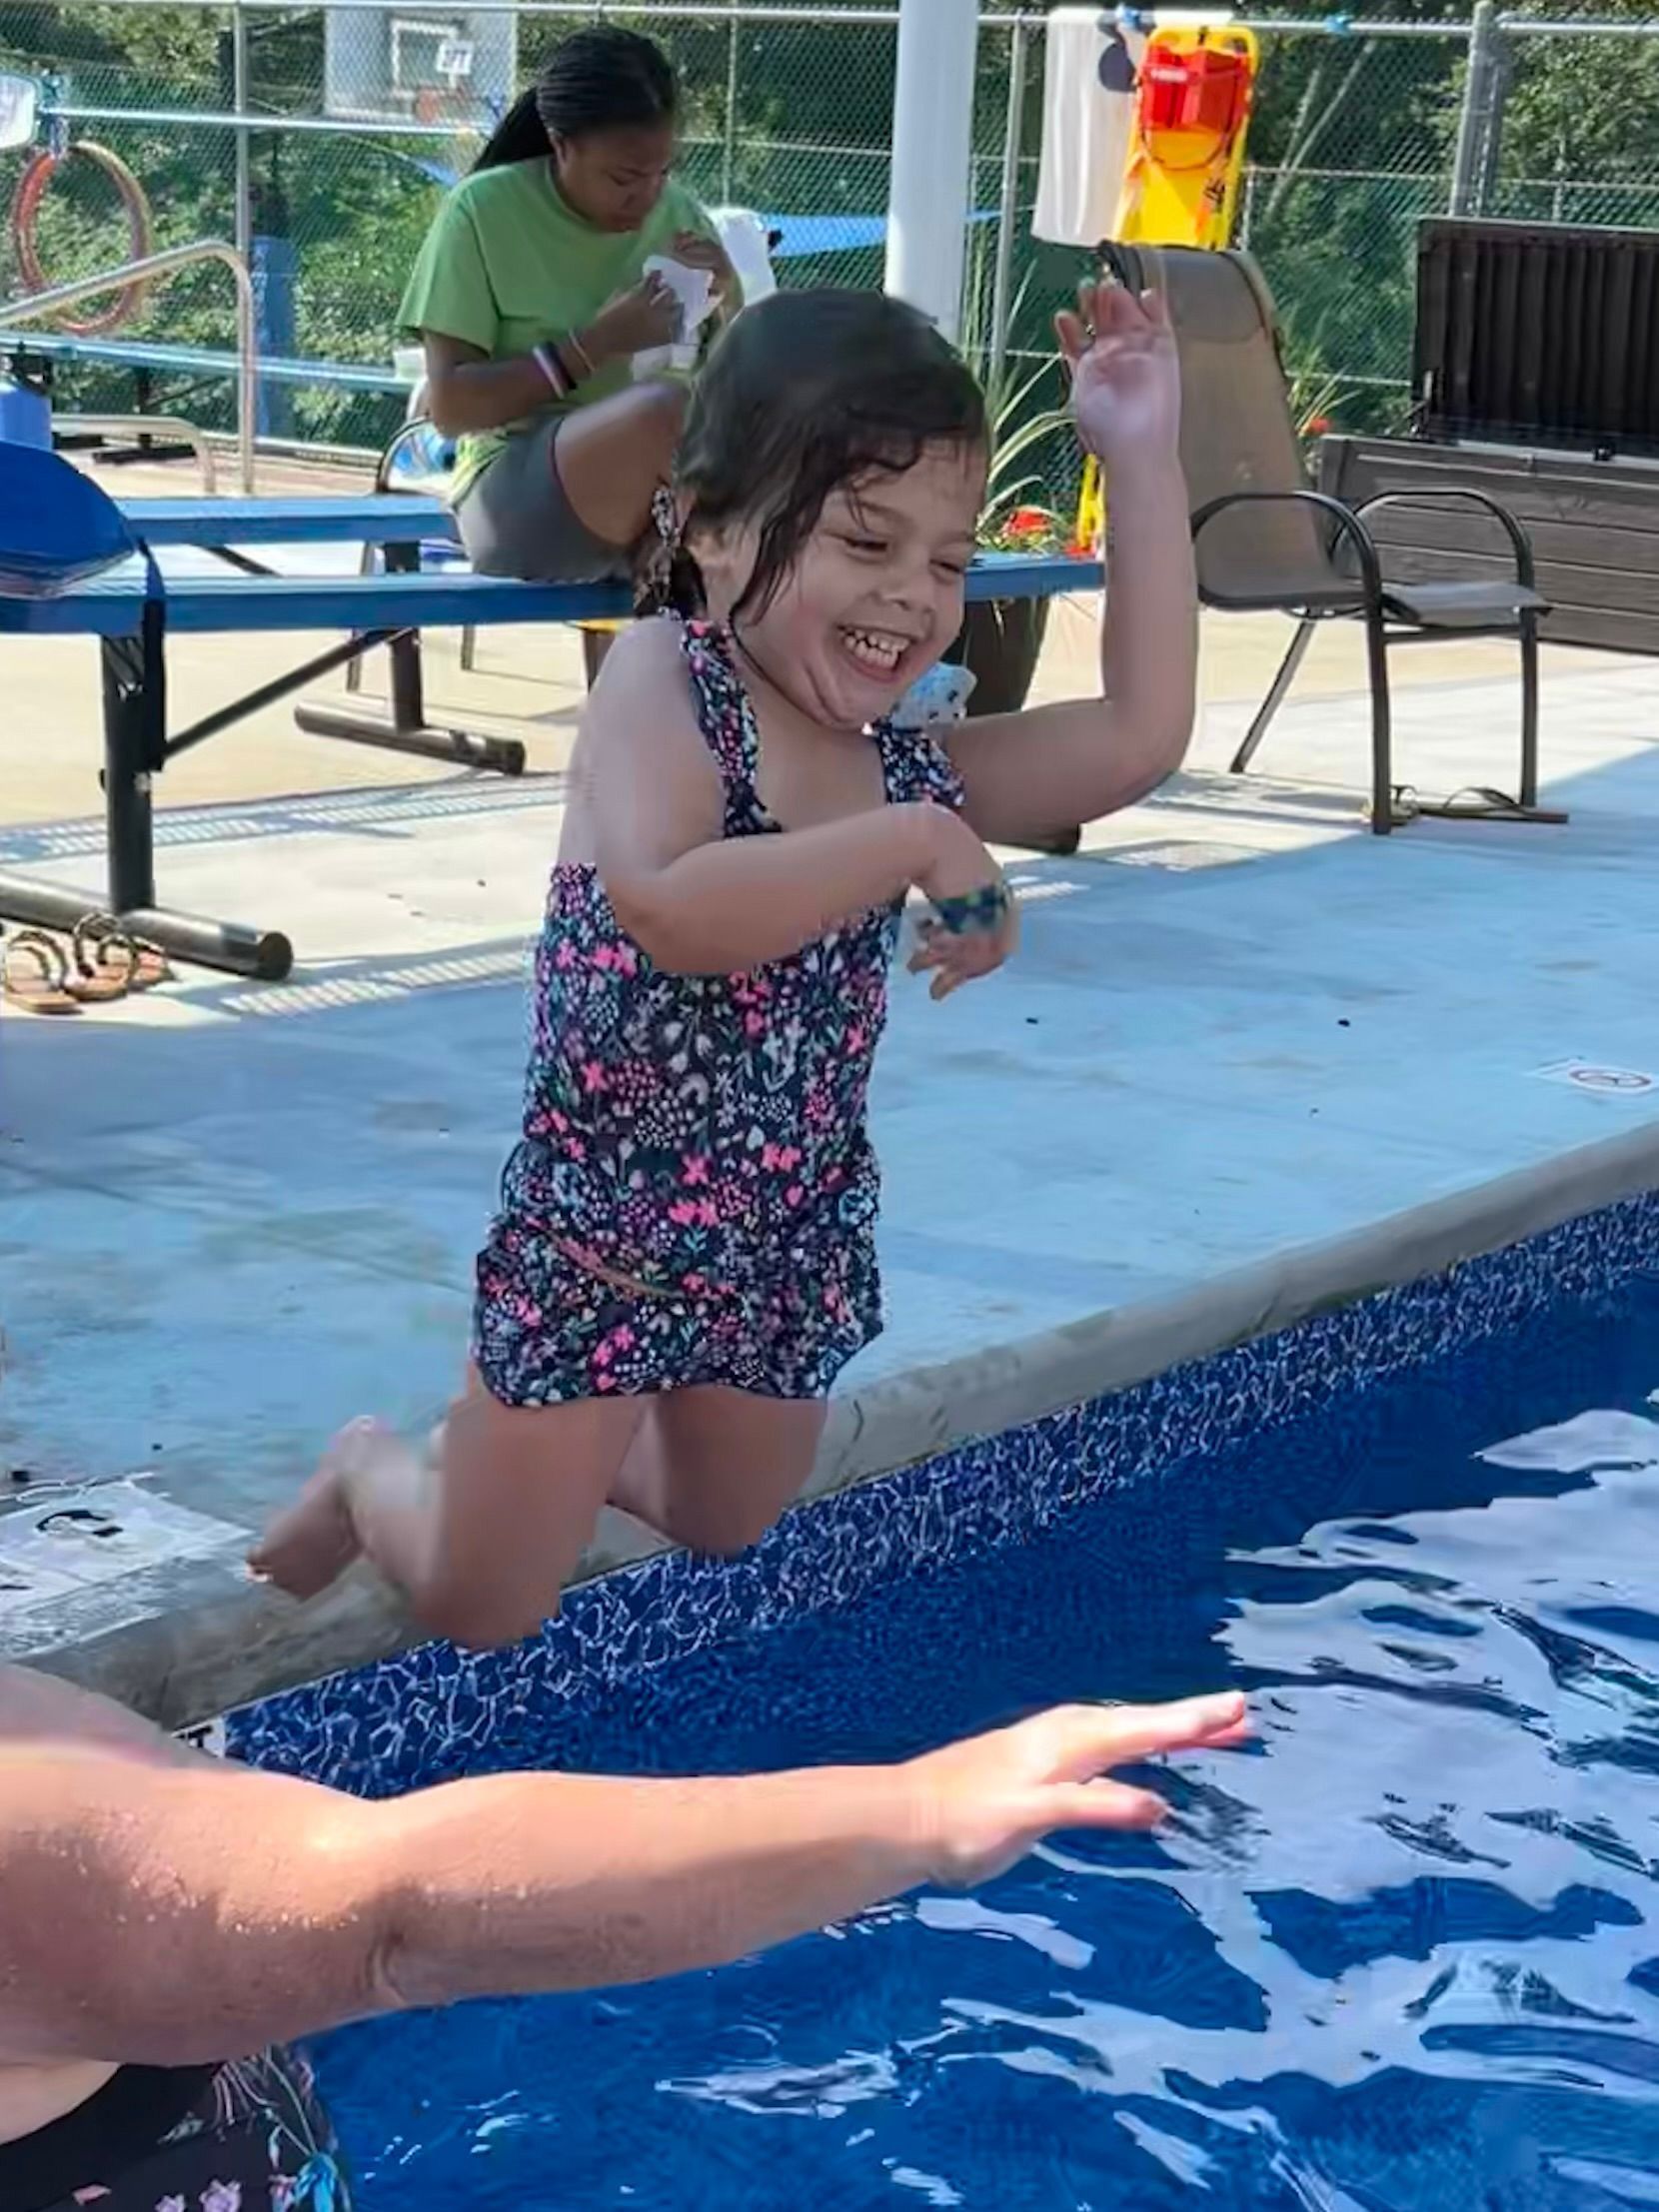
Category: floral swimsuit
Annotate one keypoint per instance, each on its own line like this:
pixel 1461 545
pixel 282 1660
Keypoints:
pixel 703 1137
pixel 246 2137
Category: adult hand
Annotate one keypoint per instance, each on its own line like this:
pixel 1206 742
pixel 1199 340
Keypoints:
pixel 984 1803
pixel 1126 373
pixel 634 320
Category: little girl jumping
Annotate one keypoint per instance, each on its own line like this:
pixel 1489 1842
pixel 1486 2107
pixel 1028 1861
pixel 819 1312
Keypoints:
pixel 685 1253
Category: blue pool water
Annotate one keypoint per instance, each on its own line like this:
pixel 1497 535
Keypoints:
pixel 1404 1954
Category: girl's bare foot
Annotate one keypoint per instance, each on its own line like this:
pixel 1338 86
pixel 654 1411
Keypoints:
pixel 313 1543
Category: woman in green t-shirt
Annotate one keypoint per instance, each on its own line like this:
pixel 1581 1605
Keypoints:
pixel 530 300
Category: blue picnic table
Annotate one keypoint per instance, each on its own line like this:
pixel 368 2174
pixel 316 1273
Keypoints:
pixel 131 612
pixel 293 519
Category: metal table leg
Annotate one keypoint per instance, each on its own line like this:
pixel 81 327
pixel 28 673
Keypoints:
pixel 134 747
pixel 407 729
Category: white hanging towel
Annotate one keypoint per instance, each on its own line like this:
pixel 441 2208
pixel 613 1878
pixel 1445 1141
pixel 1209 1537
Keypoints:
pixel 1089 78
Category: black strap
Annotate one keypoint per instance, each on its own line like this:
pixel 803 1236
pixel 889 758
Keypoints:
pixel 716 686
pixel 153 647
pixel 137 2109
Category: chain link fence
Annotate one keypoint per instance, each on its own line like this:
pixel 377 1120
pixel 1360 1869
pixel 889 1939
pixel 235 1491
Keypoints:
pixel 1355 136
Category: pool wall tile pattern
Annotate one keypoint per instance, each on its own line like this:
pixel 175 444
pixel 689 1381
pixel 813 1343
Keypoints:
pixel 434 1713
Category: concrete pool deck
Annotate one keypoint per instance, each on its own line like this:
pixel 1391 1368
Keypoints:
pixel 1251 1060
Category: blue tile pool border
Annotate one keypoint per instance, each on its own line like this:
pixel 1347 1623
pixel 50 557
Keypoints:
pixel 433 1711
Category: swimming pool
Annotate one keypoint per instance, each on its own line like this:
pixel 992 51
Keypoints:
pixel 1402 1954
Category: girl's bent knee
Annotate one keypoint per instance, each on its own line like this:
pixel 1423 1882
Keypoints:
pixel 720 1532
pixel 484 1621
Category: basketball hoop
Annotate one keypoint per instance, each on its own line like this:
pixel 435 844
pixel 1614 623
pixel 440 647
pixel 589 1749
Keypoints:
pixel 434 64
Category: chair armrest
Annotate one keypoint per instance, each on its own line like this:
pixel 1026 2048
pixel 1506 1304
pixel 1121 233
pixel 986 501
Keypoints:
pixel 1520 545
pixel 1348 527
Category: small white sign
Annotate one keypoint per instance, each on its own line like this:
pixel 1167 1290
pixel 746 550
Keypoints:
pixel 1597 1075
pixel 69 1540
pixel 27 1583
pixel 205 1735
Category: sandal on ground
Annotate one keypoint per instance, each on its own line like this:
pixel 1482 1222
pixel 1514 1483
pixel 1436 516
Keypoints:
pixel 102 947
pixel 1476 802
pixel 36 974
pixel 101 985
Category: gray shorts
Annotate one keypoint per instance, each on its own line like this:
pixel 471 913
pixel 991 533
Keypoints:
pixel 516 521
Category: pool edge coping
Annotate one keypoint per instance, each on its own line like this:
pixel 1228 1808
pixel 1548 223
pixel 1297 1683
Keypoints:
pixel 229 1642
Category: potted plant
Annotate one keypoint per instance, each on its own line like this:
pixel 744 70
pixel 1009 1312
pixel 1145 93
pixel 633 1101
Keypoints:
pixel 1001 640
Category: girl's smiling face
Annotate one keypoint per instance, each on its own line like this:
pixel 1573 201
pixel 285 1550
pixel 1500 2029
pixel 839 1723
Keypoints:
pixel 874 597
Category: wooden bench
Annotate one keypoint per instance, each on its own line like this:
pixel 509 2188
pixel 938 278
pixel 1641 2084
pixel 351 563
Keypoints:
pixel 1594 527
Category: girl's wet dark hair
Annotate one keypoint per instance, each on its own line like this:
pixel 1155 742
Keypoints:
pixel 806 393
pixel 599 79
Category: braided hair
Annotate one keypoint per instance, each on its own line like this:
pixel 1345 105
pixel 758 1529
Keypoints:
pixel 598 79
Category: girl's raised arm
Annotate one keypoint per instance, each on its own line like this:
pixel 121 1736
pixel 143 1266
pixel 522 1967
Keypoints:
pixel 1029 776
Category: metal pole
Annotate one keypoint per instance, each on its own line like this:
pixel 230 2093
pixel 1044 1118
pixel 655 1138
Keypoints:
pixel 1491 150
pixel 246 382
pixel 729 151
pixel 1008 211
pixel 244 221
pixel 691 11
pixel 717 11
pixel 29 306
pixel 244 218
pixel 932 148
pixel 1475 119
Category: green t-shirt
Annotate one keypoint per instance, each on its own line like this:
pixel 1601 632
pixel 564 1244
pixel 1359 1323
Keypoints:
pixel 506 266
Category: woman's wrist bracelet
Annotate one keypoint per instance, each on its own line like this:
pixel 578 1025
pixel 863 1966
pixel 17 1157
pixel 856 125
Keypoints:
pixel 984 910
pixel 573 343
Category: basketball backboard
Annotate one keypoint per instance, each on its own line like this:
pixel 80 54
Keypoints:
pixel 420 64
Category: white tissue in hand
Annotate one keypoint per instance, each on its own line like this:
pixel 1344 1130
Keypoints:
pixel 694 288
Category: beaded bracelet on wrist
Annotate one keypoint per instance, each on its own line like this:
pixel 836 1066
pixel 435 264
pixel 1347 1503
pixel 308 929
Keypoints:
pixel 985 909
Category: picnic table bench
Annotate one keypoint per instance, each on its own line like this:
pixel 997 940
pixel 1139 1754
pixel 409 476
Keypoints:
pixel 295 519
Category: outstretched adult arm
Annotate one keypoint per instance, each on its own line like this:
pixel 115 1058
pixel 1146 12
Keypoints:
pixel 171 1914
